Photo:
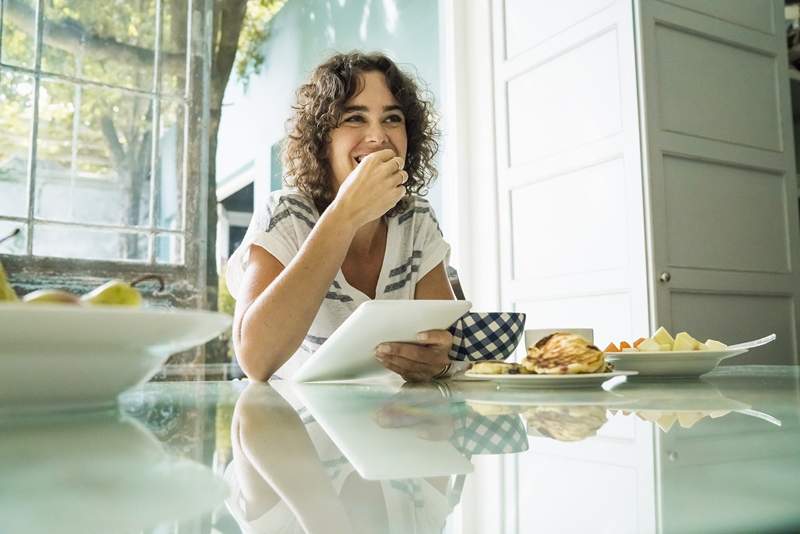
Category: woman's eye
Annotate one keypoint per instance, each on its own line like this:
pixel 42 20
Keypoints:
pixel 394 118
pixel 354 118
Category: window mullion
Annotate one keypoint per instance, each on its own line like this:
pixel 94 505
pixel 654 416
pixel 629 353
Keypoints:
pixel 155 136
pixel 187 95
pixel 2 12
pixel 37 65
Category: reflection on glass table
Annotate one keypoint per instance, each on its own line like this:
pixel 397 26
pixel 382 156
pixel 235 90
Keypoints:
pixel 294 463
pixel 299 457
pixel 719 454
pixel 684 402
pixel 101 472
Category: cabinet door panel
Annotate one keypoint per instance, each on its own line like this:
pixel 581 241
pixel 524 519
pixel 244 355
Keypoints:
pixel 549 109
pixel 716 90
pixel 725 217
pixel 754 14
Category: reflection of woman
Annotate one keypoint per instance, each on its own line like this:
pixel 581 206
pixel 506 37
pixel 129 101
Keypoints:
pixel 289 477
pixel 353 228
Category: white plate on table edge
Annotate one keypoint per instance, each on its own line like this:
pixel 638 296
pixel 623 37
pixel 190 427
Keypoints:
pixel 545 381
pixel 64 357
pixel 633 355
pixel 44 327
pixel 671 363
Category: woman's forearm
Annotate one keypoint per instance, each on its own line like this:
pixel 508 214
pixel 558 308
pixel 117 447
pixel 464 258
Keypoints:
pixel 278 319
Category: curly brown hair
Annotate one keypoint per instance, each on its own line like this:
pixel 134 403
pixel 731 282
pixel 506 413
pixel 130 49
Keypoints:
pixel 319 108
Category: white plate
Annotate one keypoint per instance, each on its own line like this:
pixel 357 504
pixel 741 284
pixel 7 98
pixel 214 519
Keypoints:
pixel 550 381
pixel 65 357
pixel 674 364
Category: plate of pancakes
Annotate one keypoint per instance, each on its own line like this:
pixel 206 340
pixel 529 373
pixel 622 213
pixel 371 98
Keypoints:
pixel 558 360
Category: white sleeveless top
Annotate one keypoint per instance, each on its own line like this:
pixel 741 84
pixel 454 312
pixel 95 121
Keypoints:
pixel 414 246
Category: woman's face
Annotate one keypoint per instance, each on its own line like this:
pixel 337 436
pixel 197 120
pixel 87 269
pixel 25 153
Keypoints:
pixel 372 120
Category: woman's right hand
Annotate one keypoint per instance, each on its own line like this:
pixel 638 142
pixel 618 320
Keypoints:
pixel 373 188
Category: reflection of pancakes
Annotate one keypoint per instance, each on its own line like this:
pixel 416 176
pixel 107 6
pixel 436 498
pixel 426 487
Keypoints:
pixel 562 353
pixel 566 423
pixel 489 409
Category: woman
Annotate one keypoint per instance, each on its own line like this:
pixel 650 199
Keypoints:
pixel 353 228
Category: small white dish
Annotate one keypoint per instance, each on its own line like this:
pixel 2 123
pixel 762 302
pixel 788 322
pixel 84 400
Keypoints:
pixel 550 381
pixel 64 357
pixel 671 364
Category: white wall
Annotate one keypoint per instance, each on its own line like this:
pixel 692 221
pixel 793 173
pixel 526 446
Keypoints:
pixel 302 35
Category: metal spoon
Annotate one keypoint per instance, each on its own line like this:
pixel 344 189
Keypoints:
pixel 753 344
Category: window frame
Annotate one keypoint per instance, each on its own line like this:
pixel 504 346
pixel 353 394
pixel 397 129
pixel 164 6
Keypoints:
pixel 185 282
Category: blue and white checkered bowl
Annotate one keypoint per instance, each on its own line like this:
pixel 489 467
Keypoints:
pixel 486 335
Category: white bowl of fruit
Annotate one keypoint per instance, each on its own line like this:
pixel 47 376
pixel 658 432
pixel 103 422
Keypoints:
pixel 679 356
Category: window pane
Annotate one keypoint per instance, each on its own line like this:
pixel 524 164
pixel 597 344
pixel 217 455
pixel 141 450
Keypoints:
pixel 16 120
pixel 16 244
pixel 173 47
pixel 71 242
pixel 169 249
pixel 19 29
pixel 170 166
pixel 93 155
pixel 109 42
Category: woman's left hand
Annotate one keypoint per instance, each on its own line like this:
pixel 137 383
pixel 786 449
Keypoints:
pixel 418 362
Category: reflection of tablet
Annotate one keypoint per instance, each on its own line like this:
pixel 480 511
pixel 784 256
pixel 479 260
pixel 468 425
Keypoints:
pixel 350 352
pixel 347 413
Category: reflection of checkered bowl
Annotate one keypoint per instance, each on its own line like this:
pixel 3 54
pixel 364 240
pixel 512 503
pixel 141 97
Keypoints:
pixel 486 336
pixel 495 434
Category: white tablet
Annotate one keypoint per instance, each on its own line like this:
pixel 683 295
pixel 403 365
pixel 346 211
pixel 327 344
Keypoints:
pixel 350 351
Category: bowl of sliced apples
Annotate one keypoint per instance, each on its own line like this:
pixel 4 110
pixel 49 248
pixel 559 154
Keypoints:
pixel 663 355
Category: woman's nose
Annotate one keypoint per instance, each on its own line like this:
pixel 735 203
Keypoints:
pixel 376 133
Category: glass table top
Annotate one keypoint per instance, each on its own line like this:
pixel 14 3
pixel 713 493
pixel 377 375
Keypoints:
pixel 720 454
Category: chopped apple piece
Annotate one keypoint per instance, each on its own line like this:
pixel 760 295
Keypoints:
pixel 685 342
pixel 650 345
pixel 662 337
pixel 713 344
pixel 611 348
pixel 638 342
pixel 624 345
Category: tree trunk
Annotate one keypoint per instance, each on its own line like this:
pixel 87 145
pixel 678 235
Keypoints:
pixel 228 19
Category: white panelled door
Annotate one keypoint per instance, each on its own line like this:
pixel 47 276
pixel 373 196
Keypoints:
pixel 572 234
pixel 570 196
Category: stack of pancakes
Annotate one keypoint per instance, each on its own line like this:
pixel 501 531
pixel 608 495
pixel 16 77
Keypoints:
pixel 561 354
pixel 557 353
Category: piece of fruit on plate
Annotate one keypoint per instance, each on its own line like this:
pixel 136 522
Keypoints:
pixel 662 341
